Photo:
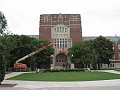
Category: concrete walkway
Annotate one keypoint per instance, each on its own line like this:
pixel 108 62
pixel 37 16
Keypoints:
pixel 83 85
pixel 13 74
pixel 110 71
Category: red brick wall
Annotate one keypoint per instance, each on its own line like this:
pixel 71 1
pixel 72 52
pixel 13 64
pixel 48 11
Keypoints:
pixel 116 51
pixel 67 19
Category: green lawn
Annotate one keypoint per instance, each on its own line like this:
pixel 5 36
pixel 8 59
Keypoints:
pixel 66 76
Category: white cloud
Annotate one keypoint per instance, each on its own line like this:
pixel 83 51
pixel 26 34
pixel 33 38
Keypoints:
pixel 99 17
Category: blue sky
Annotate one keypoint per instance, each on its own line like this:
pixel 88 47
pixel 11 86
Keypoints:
pixel 99 17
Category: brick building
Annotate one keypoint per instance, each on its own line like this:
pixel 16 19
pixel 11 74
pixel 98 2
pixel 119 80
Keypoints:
pixel 62 29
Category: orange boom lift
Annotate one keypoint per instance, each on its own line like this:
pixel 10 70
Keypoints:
pixel 23 67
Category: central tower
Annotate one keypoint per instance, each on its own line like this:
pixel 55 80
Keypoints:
pixel 62 29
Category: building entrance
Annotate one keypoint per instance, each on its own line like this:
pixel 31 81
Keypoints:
pixel 61 59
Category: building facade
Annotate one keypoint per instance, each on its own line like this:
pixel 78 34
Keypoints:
pixel 115 61
pixel 64 30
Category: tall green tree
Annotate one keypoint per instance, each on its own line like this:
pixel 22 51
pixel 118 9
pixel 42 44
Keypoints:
pixel 3 23
pixel 3 26
pixel 104 49
pixel 23 46
pixel 76 53
pixel 84 53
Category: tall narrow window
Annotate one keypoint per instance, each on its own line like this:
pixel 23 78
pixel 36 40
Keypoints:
pixel 45 18
pixel 118 46
pixel 65 29
pixel 119 55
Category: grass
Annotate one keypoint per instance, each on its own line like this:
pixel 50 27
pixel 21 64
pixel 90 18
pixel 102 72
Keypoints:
pixel 66 76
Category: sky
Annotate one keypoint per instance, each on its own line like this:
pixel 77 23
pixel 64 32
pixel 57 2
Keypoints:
pixel 99 17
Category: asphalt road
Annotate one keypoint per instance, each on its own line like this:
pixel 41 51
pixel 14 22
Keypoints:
pixel 66 88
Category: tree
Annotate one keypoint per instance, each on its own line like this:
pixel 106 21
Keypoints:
pixel 25 45
pixel 77 53
pixel 87 51
pixel 3 25
pixel 104 49
pixel 82 52
pixel 43 57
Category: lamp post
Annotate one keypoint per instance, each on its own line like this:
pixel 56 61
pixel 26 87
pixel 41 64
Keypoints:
pixel 72 55
pixel 72 64
pixel 0 25
pixel 51 62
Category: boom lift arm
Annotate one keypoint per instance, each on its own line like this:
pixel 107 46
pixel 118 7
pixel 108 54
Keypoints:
pixel 31 54
pixel 18 65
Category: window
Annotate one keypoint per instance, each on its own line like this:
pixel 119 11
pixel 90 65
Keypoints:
pixel 71 16
pixel 119 55
pixel 57 29
pixel 63 45
pixel 118 46
pixel 45 18
pixel 66 45
pixel 112 65
pixel 65 16
pixel 65 40
pixel 54 16
pixel 65 29
pixel 62 29
pixel 60 40
pixel 57 40
pixel 60 45
pixel 60 34
pixel 57 45
pixel 60 16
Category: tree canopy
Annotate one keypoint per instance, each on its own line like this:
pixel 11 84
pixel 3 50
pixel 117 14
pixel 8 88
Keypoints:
pixel 3 25
pixel 93 52
pixel 104 49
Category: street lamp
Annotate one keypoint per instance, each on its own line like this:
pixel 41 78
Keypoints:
pixel 0 25
pixel 72 55
pixel 51 59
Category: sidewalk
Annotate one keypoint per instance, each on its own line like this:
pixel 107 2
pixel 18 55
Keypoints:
pixel 46 84
pixel 13 74
pixel 110 71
